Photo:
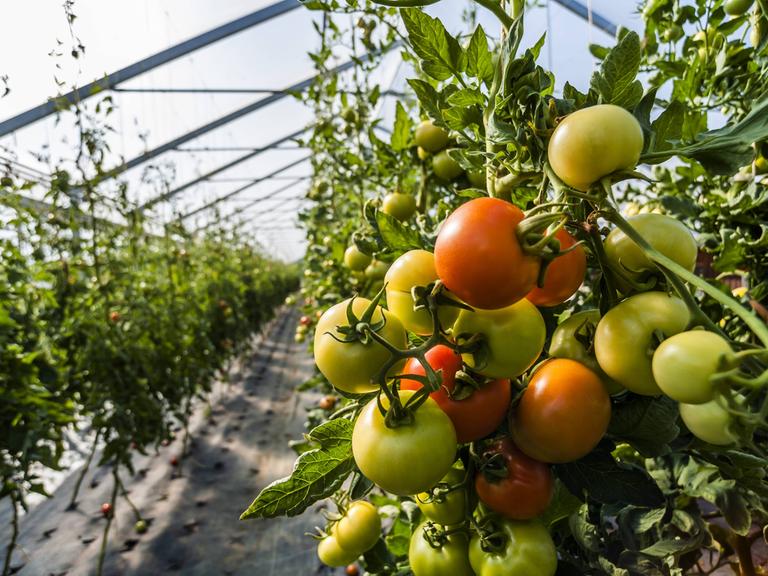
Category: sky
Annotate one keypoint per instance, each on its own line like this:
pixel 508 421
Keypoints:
pixel 273 55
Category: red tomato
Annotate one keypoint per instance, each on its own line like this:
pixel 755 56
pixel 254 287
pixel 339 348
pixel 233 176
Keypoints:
pixel 305 321
pixel 525 491
pixel 563 276
pixel 473 417
pixel 106 509
pixel 479 258
pixel 563 414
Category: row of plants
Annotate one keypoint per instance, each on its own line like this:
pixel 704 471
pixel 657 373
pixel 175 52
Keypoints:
pixel 538 313
pixel 112 327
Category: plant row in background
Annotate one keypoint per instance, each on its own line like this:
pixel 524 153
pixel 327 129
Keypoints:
pixel 524 374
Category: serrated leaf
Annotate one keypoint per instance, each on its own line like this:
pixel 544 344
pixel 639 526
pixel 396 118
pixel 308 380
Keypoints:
pixel 479 58
pixel 440 53
pixel 668 127
pixel 600 478
pixel 466 97
pixel 401 131
pixel 397 236
pixel 616 82
pixel 648 424
pixel 428 97
pixel 316 475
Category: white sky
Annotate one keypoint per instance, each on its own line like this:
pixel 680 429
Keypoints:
pixel 117 33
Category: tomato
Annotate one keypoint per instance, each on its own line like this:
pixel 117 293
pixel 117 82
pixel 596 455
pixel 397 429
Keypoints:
pixel 114 316
pixel 400 206
pixel 414 268
pixel 331 554
pixel 573 338
pixel 421 153
pixel 737 7
pixel 664 233
pixel 359 529
pixel 356 260
pixel 564 274
pixel 473 417
pixel 683 364
pixel 305 321
pixel 528 551
pixel 430 137
pixel 327 402
pixel 445 167
pixel 513 339
pixel 376 270
pixel 140 526
pixel 563 413
pixel 594 142
pixel 351 367
pixel 524 488
pixel 407 459
pixel 479 258
pixel 451 558
pixel 476 177
pixel 624 337
pixel 352 570
pixel 445 508
pixel 106 509
pixel 709 422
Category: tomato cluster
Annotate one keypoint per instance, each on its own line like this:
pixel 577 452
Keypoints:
pixel 353 534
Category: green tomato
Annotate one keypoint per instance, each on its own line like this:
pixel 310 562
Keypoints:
pixel 569 339
pixel 430 137
pixel 407 459
pixel 452 558
pixel 351 367
pixel 422 154
pixel 331 554
pixel 376 270
pixel 528 550
pixel 356 260
pixel 359 529
pixel 737 7
pixel 513 338
pixel 477 178
pixel 624 337
pixel 445 508
pixel 709 422
pixel 683 364
pixel 664 233
pixel 594 142
pixel 400 206
pixel 414 268
pixel 445 167
pixel 673 33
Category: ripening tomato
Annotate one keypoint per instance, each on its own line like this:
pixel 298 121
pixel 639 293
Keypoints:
pixel 683 364
pixel 407 459
pixel 528 551
pixel 564 274
pixel 359 529
pixel 414 268
pixel 445 167
pixel 563 413
pixel 512 338
pixel 331 554
pixel 356 260
pixel 626 334
pixel 444 505
pixel 352 366
pixel 594 142
pixel 399 205
pixel 664 233
pixel 450 558
pixel 474 416
pixel 521 490
pixel 430 137
pixel 479 257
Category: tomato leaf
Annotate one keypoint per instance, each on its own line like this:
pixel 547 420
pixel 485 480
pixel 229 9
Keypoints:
pixel 398 237
pixel 648 424
pixel 479 59
pixel 440 53
pixel 616 81
pixel 401 132
pixel 316 475
pixel 599 477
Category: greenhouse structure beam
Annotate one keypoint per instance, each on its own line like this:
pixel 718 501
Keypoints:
pixel 171 193
pixel 597 20
pixel 136 69
pixel 245 187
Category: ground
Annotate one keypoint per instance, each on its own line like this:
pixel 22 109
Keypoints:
pixel 237 448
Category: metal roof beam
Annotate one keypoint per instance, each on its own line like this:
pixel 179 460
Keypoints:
pixel 163 57
pixel 598 21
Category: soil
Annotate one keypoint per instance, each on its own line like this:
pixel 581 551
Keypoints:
pixel 192 508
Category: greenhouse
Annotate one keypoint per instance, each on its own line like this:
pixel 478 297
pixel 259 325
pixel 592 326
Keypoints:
pixel 384 287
